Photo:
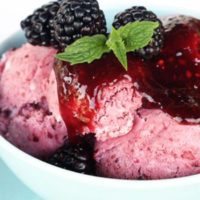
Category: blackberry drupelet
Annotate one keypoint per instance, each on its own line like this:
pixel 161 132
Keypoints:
pixel 139 13
pixel 77 18
pixel 38 27
pixel 76 157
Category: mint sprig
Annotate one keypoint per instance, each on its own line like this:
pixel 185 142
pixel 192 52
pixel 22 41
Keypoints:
pixel 87 49
pixel 131 37
pixel 137 35
pixel 116 44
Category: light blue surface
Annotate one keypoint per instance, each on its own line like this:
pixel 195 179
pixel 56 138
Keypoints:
pixel 11 188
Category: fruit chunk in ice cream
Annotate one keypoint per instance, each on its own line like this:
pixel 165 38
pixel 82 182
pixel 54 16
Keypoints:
pixel 136 115
pixel 29 111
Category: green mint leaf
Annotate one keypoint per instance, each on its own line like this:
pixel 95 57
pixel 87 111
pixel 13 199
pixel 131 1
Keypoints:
pixel 138 34
pixel 116 44
pixel 131 37
pixel 86 49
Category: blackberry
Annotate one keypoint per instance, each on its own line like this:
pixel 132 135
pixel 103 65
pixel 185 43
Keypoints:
pixel 139 13
pixel 38 27
pixel 77 18
pixel 76 157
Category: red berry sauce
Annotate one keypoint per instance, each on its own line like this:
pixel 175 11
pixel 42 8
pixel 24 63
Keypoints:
pixel 172 79
pixel 79 85
pixel 174 82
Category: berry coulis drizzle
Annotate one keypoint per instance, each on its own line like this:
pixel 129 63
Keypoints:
pixel 172 80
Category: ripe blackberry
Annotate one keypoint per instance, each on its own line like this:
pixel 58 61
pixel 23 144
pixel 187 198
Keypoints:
pixel 77 18
pixel 139 13
pixel 38 27
pixel 76 157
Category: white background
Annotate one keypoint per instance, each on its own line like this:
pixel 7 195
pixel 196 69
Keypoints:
pixel 13 11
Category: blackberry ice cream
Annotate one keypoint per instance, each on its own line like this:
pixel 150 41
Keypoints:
pixel 123 104
pixel 30 116
pixel 146 119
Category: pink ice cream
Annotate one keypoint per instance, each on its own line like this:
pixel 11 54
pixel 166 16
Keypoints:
pixel 132 142
pixel 30 117
pixel 156 147
pixel 137 115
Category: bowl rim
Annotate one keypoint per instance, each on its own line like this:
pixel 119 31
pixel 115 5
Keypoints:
pixel 94 180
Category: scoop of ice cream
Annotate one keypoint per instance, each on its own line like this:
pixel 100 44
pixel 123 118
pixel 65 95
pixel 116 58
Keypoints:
pixel 98 98
pixel 156 147
pixel 30 116
pixel 137 115
pixel 159 145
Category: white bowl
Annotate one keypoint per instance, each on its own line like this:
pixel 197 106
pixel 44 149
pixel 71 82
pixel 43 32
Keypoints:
pixel 54 183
